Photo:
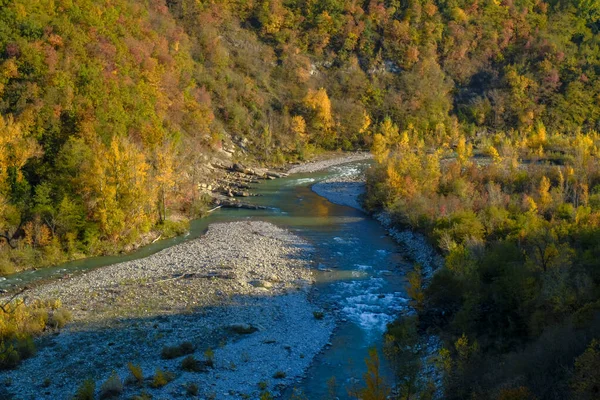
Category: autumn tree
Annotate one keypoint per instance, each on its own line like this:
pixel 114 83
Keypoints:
pixel 322 123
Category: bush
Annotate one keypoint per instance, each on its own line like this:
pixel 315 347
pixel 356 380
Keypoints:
pixel 210 357
pixel 279 375
pixel 112 387
pixel 142 396
pixel 19 323
pixel 59 318
pixel 161 378
pixel 9 356
pixel 136 372
pixel 86 390
pixel 171 352
pixel 192 365
pixel 191 389
pixel 318 315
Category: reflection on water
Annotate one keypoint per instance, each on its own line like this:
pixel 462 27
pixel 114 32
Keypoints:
pixel 358 269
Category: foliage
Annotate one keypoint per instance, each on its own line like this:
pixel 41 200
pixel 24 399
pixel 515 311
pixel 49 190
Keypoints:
pixel 518 231
pixel 170 352
pixel 191 364
pixel 161 378
pixel 108 107
pixel 86 391
pixel 376 388
pixel 136 372
pixel 112 387
pixel 20 323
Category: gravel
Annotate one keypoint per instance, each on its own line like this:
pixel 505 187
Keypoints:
pixel 320 165
pixel 343 188
pixel 242 290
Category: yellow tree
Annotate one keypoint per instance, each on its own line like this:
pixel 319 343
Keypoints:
pixel 15 150
pixel 164 176
pixel 376 387
pixel 322 119
pixel 117 188
pixel 299 127
pixel 544 193
pixel 464 152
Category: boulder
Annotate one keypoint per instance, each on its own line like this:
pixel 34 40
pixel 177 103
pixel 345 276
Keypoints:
pixel 242 328
pixel 261 284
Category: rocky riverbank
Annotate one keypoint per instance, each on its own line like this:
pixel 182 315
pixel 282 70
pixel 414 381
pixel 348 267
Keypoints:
pixel 241 291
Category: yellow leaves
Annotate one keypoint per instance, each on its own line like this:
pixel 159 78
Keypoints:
pixel 459 15
pixel 20 12
pixel 37 233
pixel 319 103
pixel 379 148
pixel 394 179
pixel 8 70
pixel 414 288
pixel 544 193
pixel 376 388
pixel 464 152
pixel 118 186
pixel 465 350
pixel 493 153
pixel 366 123
pixel 15 148
pixel 299 126
pixel 274 25
pixel 529 204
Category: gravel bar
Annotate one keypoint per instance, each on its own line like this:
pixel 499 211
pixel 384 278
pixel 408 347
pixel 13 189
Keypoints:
pixel 241 290
pixel 315 166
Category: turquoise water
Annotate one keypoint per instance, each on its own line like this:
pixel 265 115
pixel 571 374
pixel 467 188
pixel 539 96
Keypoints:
pixel 360 272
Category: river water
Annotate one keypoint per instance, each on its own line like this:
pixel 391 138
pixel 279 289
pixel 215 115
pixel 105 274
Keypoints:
pixel 359 269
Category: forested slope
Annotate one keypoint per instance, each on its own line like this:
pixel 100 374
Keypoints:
pixel 108 105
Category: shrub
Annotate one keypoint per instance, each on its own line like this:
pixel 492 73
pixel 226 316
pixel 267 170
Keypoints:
pixel 171 352
pixel 59 318
pixel 318 315
pixel 9 356
pixel 279 375
pixel 142 396
pixel 266 396
pixel 136 373
pixel 112 387
pixel 19 323
pixel 161 378
pixel 192 365
pixel 210 357
pixel 191 389
pixel 86 390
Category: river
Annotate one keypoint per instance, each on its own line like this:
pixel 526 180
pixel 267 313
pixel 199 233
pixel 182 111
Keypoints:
pixel 360 270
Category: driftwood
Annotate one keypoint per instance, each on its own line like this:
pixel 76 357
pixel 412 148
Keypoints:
pixel 4 306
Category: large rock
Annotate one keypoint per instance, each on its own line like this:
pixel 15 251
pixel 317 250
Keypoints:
pixel 261 284
pixel 237 167
pixel 242 328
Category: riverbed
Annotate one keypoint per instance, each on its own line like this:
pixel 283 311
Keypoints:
pixel 357 272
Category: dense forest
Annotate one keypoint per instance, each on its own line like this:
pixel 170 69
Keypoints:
pixel 108 106
pixel 481 116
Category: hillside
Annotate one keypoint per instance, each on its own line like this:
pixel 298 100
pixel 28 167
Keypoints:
pixel 111 107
